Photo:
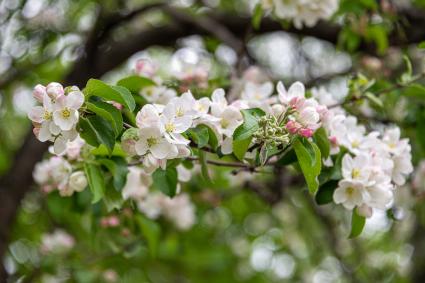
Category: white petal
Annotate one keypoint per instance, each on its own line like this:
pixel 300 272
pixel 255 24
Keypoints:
pixel 75 99
pixel 60 145
pixel 227 145
pixel 339 195
pixel 44 134
pixel 36 114
pixel 141 147
pixel 162 149
pixel 297 89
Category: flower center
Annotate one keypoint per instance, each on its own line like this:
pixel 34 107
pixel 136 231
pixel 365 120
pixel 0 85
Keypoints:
pixel 170 127
pixel 47 115
pixel 179 112
pixel 355 173
pixel 355 144
pixel 224 123
pixel 66 113
pixel 350 191
pixel 152 141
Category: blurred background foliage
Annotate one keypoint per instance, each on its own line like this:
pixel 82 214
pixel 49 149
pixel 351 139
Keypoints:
pixel 240 235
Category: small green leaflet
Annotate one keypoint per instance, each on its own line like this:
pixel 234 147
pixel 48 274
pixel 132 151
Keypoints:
pixel 166 180
pixel 117 166
pixel 108 112
pixel 115 93
pixel 357 224
pixel 309 158
pixel 250 124
pixel 135 83
pixel 96 182
pixel 96 131
pixel 322 141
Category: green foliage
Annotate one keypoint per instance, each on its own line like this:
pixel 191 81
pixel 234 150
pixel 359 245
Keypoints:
pixel 109 113
pixel 309 158
pixel 115 93
pixel 151 231
pixel 326 191
pixel 135 83
pixel 357 224
pixel 117 166
pixel 250 124
pixel 258 14
pixel 166 180
pixel 321 139
pixel 242 136
pixel 96 181
pixel 96 131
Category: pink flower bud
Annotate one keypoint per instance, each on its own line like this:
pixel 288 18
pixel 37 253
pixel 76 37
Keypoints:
pixel 306 132
pixel 39 92
pixel 145 68
pixel 293 127
pixel 113 221
pixel 54 90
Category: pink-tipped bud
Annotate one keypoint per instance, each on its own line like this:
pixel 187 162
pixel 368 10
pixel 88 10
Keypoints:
pixel 39 92
pixel 145 67
pixel 306 132
pixel 54 90
pixel 113 221
pixel 293 127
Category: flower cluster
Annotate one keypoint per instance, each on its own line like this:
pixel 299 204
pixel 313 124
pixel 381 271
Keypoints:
pixel 56 173
pixel 179 210
pixel 302 12
pixel 161 128
pixel 373 166
pixel 58 116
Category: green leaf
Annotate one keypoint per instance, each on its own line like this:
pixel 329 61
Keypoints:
pixel 199 135
pixel 166 180
pixel 212 140
pixel 357 224
pixel 135 83
pixel 96 131
pixel 103 151
pixel 115 93
pixel 374 100
pixel 250 124
pixel 326 191
pixel 256 17
pixel 113 199
pixel 240 147
pixel 309 158
pixel 414 90
pixel 151 231
pixel 204 167
pixel 119 170
pixel 95 180
pixel 322 141
pixel 108 112
pixel 421 45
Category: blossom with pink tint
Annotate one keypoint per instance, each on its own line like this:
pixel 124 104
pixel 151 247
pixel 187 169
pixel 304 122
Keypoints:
pixel 57 242
pixel 146 68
